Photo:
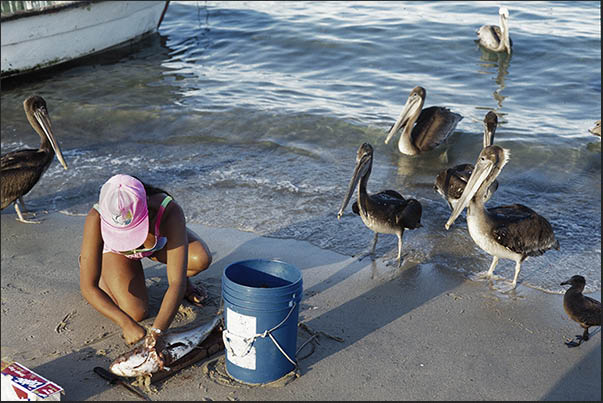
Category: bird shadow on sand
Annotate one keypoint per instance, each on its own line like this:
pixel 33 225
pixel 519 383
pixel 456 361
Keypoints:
pixel 357 317
pixel 582 382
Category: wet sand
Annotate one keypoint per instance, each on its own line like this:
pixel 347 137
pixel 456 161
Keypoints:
pixel 422 332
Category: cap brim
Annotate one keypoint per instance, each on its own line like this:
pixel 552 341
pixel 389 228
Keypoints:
pixel 122 240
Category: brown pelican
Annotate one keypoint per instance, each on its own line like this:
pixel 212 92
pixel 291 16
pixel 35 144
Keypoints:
pixel 496 38
pixel 596 130
pixel 451 182
pixel 22 169
pixel 510 232
pixel 580 308
pixel 433 124
pixel 386 212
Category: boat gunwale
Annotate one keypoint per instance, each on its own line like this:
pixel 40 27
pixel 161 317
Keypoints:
pixel 11 73
pixel 48 10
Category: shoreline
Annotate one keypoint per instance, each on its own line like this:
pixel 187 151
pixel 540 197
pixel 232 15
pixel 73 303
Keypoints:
pixel 424 332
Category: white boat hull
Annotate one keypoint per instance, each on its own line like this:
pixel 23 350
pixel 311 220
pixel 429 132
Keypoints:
pixel 50 37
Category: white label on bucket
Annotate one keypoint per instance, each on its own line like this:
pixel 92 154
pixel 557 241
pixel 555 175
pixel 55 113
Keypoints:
pixel 241 327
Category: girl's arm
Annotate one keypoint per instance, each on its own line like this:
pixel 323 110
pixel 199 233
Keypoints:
pixel 173 226
pixel 90 272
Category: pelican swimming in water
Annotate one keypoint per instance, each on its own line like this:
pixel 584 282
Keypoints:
pixel 510 232
pixel 596 130
pixel 22 169
pixel 451 182
pixel 580 308
pixel 433 124
pixel 386 212
pixel 496 38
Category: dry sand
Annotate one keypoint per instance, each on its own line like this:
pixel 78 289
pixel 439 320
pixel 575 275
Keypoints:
pixel 420 333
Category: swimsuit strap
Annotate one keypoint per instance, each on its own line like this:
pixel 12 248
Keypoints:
pixel 164 204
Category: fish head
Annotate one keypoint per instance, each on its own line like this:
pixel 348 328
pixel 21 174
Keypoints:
pixel 142 360
pixel 134 364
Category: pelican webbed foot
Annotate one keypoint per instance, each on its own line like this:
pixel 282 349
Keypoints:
pixel 22 219
pixel 367 254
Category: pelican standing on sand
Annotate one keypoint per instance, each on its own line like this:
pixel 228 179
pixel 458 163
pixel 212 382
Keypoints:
pixel 22 169
pixel 580 308
pixel 451 182
pixel 433 124
pixel 386 212
pixel 510 232
pixel 496 38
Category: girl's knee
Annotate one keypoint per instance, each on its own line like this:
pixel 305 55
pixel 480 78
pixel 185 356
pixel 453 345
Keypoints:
pixel 136 312
pixel 199 259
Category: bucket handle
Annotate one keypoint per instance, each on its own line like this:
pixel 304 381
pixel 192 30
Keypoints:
pixel 248 341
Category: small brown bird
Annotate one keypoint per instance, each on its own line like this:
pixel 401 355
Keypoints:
pixel 584 310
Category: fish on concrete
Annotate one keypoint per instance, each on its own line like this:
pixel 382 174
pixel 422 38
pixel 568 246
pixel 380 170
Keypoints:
pixel 157 353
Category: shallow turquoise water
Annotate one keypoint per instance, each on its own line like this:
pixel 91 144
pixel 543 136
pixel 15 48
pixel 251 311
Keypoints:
pixel 250 113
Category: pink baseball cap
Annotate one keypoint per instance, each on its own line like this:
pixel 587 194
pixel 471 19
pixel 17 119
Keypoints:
pixel 124 213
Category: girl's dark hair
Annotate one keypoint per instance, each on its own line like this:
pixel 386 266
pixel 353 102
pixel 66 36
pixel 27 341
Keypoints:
pixel 151 190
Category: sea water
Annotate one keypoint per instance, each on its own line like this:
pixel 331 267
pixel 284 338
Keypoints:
pixel 250 114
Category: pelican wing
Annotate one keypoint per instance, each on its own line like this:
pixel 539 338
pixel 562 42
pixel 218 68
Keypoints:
pixel 20 159
pixel 386 196
pixel 394 209
pixel 522 230
pixel 433 127
pixel 17 182
pixel 452 181
pixel 410 215
pixel 490 36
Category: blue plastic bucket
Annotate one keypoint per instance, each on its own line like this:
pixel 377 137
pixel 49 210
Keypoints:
pixel 261 310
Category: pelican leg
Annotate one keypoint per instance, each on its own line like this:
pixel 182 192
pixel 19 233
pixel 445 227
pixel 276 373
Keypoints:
pixel 399 250
pixel 22 202
pixel 20 216
pixel 374 245
pixel 26 211
pixel 492 266
pixel 517 269
pixel 372 250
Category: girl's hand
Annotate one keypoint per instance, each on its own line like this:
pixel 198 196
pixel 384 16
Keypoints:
pixel 133 332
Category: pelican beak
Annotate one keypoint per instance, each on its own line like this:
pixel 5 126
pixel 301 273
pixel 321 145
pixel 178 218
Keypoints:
pixel 44 121
pixel 482 169
pixel 362 164
pixel 489 130
pixel 409 110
